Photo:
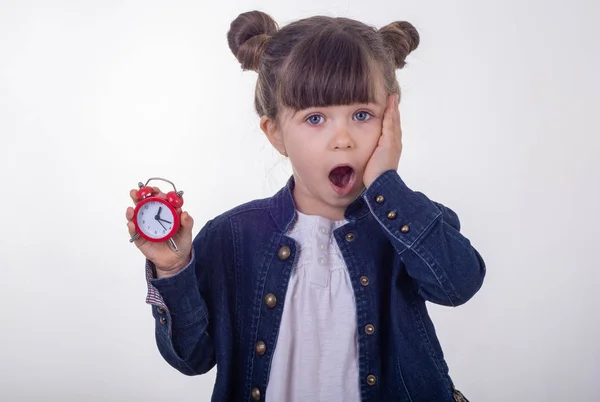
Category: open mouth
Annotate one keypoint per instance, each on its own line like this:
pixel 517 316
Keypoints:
pixel 342 179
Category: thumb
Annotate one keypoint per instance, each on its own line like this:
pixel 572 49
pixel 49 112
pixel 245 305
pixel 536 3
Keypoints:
pixel 187 223
pixel 187 220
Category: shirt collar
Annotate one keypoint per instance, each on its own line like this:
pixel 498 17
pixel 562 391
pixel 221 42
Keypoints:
pixel 283 208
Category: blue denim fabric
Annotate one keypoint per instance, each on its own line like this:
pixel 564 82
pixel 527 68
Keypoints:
pixel 215 310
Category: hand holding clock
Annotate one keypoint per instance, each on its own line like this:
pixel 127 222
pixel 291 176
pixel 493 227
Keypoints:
pixel 167 261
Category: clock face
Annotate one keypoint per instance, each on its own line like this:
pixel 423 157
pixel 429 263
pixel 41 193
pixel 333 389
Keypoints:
pixel 155 219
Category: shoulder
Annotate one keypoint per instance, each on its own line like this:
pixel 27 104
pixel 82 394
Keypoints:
pixel 246 222
pixel 250 211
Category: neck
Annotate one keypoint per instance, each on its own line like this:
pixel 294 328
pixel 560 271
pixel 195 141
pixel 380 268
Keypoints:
pixel 308 204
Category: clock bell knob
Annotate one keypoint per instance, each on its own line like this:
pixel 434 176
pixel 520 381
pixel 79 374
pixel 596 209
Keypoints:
pixel 175 198
pixel 144 192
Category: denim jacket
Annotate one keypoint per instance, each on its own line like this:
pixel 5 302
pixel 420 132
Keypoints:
pixel 401 250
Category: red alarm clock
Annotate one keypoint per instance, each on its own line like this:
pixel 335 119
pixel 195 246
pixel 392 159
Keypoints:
pixel 156 218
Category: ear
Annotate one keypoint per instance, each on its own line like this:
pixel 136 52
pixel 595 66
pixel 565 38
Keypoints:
pixel 273 133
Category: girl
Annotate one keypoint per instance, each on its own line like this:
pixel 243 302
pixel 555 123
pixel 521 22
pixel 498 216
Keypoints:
pixel 318 292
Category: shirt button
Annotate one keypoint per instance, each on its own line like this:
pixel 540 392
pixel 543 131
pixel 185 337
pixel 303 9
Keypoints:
pixel 322 261
pixel 284 253
pixel 369 329
pixel 160 310
pixel 364 280
pixel 391 215
pixel 163 321
pixel 405 229
pixel 350 237
pixel 324 230
pixel 371 379
pixel 255 394
pixel 270 300
pixel 322 246
pixel 380 199
pixel 261 348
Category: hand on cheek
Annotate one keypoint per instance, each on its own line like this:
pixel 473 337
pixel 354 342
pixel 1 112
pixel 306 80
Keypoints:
pixel 387 153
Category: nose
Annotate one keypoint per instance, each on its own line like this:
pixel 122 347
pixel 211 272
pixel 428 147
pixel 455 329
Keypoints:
pixel 342 138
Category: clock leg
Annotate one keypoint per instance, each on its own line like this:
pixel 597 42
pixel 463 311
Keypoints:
pixel 173 244
pixel 135 237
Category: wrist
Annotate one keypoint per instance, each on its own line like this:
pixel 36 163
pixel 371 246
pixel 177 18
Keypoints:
pixel 166 272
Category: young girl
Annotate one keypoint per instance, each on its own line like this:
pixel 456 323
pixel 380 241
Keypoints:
pixel 318 292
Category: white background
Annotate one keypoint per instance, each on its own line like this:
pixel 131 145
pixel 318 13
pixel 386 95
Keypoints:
pixel 500 116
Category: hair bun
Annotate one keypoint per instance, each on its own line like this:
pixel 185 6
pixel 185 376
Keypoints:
pixel 248 36
pixel 401 38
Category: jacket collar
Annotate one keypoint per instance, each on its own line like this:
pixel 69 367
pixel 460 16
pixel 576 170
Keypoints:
pixel 283 207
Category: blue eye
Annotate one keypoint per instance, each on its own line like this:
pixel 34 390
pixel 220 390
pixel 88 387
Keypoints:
pixel 363 116
pixel 314 119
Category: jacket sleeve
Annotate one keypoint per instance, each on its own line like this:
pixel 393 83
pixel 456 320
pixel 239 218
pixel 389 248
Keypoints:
pixel 182 319
pixel 446 268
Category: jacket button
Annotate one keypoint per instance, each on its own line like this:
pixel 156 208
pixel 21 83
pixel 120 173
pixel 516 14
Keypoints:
pixel 369 329
pixel 391 215
pixel 160 310
pixel 261 348
pixel 350 237
pixel 405 229
pixel 163 321
pixel 364 280
pixel 255 394
pixel 380 199
pixel 284 253
pixel 270 300
pixel 371 380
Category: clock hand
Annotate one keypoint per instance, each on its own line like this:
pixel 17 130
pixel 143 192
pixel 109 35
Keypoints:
pixel 161 224
pixel 159 219
pixel 157 216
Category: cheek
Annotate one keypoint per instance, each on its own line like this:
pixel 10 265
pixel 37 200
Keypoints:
pixel 372 135
pixel 300 150
pixel 307 142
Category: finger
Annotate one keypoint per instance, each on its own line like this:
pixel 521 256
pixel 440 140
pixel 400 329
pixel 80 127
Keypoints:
pixel 187 221
pixel 133 194
pixel 185 230
pixel 398 121
pixel 129 214
pixel 389 110
pixel 392 109
pixel 388 117
pixel 159 193
pixel 387 106
pixel 131 227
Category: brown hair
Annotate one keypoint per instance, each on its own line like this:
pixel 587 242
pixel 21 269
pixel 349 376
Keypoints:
pixel 318 61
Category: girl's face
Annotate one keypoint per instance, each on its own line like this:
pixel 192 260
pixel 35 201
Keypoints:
pixel 320 139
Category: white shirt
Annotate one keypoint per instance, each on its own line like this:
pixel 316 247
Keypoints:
pixel 316 355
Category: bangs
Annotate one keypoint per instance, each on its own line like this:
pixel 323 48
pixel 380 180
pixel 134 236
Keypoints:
pixel 332 68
